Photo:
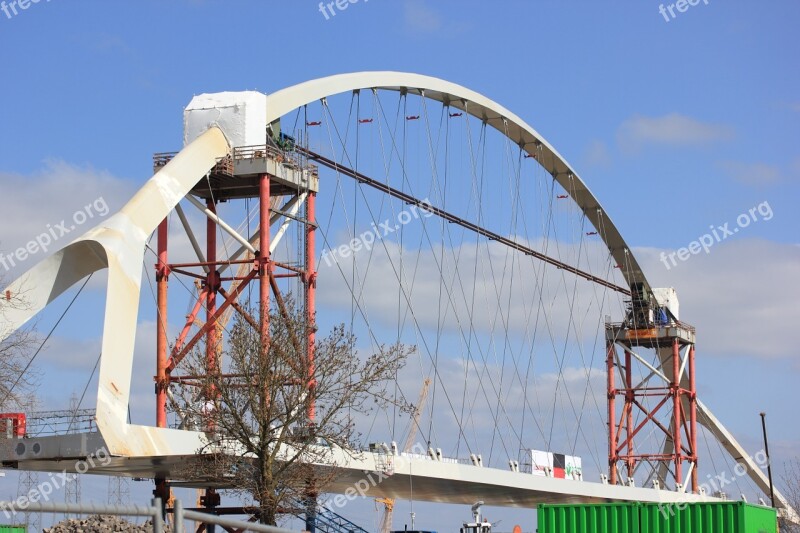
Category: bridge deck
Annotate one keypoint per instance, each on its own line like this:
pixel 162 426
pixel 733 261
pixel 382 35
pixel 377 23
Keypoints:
pixel 374 474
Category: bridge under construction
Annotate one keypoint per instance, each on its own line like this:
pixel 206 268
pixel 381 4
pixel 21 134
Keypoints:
pixel 527 306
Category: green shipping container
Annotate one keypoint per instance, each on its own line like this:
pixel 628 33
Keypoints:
pixel 13 529
pixel 716 517
pixel 733 517
pixel 598 518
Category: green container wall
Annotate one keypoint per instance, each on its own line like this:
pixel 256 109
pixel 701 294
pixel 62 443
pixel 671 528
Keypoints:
pixel 733 517
pixel 716 517
pixel 600 518
pixel 13 529
pixel 760 519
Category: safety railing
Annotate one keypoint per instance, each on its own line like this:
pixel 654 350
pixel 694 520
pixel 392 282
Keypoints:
pixel 223 166
pixel 226 165
pixel 49 423
pixel 670 324
pixel 152 511
pixel 290 158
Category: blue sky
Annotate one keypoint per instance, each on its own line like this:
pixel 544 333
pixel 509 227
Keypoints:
pixel 675 126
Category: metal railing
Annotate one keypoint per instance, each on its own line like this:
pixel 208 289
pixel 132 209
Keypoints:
pixel 258 151
pixel 181 515
pixel 152 511
pixel 292 158
pixel 223 166
pixel 328 521
pixel 48 423
pixel 669 324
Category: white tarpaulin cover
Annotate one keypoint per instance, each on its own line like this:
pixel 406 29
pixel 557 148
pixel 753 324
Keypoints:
pixel 242 117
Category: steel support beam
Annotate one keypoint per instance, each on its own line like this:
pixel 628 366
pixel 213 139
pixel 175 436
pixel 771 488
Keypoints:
pixel 264 272
pixel 680 432
pixel 310 280
pixel 162 282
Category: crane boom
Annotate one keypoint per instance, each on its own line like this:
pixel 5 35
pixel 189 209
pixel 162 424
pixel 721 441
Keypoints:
pixel 412 431
pixel 388 503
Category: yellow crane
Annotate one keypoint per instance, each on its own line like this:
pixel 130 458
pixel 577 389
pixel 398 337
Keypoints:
pixel 388 503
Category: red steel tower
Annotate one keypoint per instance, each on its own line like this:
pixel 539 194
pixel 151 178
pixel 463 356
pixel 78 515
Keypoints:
pixel 284 186
pixel 652 392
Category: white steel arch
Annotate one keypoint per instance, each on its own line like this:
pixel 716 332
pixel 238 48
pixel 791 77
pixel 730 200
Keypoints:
pixel 529 140
pixel 287 100
pixel 118 244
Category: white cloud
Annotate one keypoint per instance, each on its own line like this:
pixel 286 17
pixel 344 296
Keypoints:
pixel 67 362
pixel 743 285
pixel 795 168
pixel 32 204
pixel 422 17
pixel 670 130
pixel 753 173
pixel 742 296
pixel 40 201
pixel 597 154
pixel 477 291
pixel 483 408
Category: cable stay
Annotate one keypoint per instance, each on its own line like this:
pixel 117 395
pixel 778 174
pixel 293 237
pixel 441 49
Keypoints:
pixel 410 200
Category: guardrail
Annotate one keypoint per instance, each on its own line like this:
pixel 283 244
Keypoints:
pixel 242 153
pixel 48 423
pixel 223 166
pixel 670 324
pixel 150 511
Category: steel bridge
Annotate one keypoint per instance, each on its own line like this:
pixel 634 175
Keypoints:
pixel 217 165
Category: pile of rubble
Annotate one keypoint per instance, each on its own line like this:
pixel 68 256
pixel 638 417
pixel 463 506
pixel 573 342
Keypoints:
pixel 101 524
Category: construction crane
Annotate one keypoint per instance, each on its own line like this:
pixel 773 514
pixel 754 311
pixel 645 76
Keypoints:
pixel 388 503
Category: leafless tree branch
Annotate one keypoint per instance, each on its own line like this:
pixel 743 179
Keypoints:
pixel 255 407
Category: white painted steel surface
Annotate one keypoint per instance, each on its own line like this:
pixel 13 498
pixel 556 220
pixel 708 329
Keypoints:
pixel 118 244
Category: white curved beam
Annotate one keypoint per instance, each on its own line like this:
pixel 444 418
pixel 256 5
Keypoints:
pixel 287 100
pixel 118 244
pixel 283 102
pixel 740 455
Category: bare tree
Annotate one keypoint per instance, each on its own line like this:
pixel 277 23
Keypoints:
pixel 16 380
pixel 256 407
pixel 791 491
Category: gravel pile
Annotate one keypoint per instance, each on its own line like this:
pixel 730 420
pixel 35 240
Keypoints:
pixel 101 524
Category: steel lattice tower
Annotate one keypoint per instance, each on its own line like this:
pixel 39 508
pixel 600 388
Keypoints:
pixel 28 481
pixel 119 490
pixel 72 489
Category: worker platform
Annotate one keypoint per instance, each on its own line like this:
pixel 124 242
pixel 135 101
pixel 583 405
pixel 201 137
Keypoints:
pixel 656 336
pixel 237 175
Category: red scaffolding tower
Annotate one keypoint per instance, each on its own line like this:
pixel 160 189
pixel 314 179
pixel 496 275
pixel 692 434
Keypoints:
pixel 273 175
pixel 647 398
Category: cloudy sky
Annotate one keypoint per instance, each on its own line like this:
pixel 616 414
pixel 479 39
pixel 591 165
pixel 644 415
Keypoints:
pixel 678 126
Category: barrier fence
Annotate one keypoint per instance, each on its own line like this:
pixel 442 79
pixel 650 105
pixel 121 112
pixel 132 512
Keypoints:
pixel 152 511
